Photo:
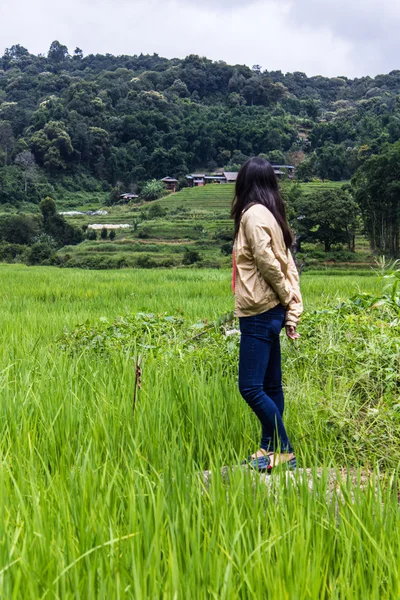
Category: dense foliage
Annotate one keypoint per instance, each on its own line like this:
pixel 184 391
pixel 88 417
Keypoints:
pixel 377 185
pixel 328 216
pixel 34 239
pixel 95 121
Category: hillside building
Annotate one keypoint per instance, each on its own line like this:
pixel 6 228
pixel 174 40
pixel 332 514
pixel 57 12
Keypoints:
pixel 128 197
pixel 201 179
pixel 170 183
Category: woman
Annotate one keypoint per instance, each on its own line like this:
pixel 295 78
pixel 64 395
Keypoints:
pixel 267 298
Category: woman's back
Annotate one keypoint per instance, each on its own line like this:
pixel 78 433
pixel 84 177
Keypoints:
pixel 265 271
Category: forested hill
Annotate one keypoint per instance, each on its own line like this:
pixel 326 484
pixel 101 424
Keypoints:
pixel 69 121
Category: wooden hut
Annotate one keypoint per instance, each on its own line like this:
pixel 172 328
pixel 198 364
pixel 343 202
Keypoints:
pixel 170 183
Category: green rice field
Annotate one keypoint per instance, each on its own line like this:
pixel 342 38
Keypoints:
pixel 102 501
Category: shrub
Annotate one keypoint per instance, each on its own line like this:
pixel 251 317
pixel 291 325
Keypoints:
pixel 45 238
pixel 91 234
pixel 144 233
pixel 104 233
pixel 39 252
pixel 19 229
pixel 55 225
pixel 226 248
pixel 153 190
pixel 145 262
pixel 156 211
pixel 48 208
pixel 11 252
pixel 112 234
pixel 223 235
pixel 191 257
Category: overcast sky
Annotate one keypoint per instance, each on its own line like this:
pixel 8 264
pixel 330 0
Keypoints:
pixel 326 37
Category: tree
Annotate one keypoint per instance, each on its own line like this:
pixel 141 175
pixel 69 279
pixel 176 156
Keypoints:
pixel 332 162
pixel 112 234
pixel 57 52
pixel 26 161
pixel 6 139
pixel 190 257
pixel 48 208
pixel 104 233
pixel 180 89
pixel 19 229
pixel 16 52
pixel 78 54
pixel 328 216
pixel 57 227
pixel 276 157
pixel 99 140
pixel 307 169
pixel 377 191
pixel 52 146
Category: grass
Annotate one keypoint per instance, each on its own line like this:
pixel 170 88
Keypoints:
pixel 100 503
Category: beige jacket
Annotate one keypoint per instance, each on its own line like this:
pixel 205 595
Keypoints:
pixel 266 274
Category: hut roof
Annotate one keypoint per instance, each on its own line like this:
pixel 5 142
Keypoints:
pixel 230 176
pixel 282 166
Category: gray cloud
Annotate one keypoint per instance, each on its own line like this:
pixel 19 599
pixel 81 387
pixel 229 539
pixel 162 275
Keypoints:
pixel 220 5
pixel 329 37
pixel 371 27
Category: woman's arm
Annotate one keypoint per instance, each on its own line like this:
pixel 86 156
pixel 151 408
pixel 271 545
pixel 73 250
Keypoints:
pixel 295 309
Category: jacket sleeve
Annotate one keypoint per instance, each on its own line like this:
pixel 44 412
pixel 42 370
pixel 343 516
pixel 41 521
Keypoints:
pixel 257 232
pixel 294 309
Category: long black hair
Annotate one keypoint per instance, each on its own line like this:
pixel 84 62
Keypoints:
pixel 257 184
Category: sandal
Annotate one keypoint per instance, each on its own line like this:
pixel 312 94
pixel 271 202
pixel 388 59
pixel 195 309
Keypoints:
pixel 260 463
pixel 249 460
pixel 289 465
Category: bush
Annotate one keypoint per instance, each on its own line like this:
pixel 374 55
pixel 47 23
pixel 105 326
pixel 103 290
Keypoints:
pixel 56 225
pixel 19 229
pixel 91 234
pixel 45 238
pixel 191 257
pixel 223 235
pixel 153 190
pixel 226 248
pixel 11 252
pixel 64 233
pixel 144 233
pixel 104 233
pixel 112 234
pixel 156 211
pixel 39 252
pixel 145 262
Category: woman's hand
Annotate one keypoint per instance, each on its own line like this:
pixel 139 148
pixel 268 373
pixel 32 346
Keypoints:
pixel 292 333
pixel 295 298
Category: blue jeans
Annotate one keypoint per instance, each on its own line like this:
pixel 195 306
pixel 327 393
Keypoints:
pixel 260 374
